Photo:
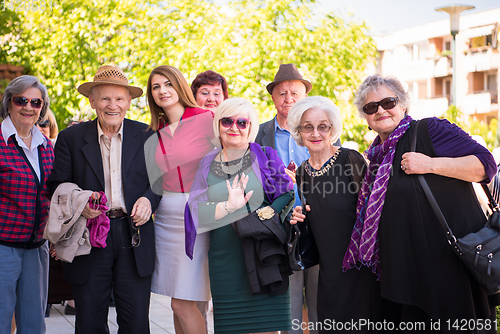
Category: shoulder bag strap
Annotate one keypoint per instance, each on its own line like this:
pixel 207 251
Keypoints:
pixel 492 203
pixel 442 220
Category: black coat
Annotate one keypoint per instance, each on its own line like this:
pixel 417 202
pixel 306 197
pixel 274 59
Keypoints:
pixel 78 160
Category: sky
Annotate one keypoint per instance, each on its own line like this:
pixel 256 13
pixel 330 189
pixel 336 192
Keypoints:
pixel 386 16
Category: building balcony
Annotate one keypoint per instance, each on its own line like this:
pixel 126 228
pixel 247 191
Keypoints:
pixel 481 60
pixel 443 67
pixel 434 107
pixel 480 103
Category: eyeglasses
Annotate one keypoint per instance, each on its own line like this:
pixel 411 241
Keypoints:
pixel 241 123
pixel 323 128
pixel 387 103
pixel 21 101
pixel 136 237
pixel 44 124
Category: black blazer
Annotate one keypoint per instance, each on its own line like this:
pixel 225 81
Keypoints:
pixel 265 137
pixel 78 160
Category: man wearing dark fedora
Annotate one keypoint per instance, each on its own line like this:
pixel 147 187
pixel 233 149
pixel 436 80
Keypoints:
pixel 288 88
pixel 107 155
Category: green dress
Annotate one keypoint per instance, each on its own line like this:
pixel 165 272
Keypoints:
pixel 236 310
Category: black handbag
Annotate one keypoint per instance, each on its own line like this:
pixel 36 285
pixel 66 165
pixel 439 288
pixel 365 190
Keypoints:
pixel 480 251
pixel 301 247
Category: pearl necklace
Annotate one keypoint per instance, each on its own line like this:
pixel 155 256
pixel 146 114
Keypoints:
pixel 24 138
pixel 324 169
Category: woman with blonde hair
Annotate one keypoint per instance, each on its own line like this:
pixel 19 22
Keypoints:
pixel 183 137
pixel 237 187
pixel 48 126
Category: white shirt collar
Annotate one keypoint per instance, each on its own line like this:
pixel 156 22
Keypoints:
pixel 100 133
pixel 8 129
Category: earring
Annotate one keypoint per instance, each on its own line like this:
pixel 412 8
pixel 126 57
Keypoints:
pixel 370 128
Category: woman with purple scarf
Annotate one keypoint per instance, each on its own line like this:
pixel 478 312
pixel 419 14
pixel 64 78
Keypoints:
pixel 397 234
pixel 233 183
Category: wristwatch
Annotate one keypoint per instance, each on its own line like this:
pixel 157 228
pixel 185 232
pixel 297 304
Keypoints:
pixel 265 213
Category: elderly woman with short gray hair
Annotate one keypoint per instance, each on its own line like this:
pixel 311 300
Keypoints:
pixel 26 158
pixel 397 234
pixel 330 180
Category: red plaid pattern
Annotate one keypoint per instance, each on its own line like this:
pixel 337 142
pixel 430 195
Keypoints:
pixel 18 193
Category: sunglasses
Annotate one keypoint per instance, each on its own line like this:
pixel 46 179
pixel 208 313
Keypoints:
pixel 136 237
pixel 323 128
pixel 241 123
pixel 21 101
pixel 44 124
pixel 387 103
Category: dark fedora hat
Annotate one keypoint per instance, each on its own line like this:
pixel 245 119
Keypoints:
pixel 288 72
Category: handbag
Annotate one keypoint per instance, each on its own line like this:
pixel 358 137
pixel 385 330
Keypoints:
pixel 301 247
pixel 480 251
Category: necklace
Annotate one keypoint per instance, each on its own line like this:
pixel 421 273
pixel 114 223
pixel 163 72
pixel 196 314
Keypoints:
pixel 323 170
pixel 231 169
pixel 24 138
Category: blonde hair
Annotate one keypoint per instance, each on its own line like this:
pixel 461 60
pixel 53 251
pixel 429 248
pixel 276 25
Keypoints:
pixel 180 85
pixel 235 106
pixel 54 129
pixel 317 103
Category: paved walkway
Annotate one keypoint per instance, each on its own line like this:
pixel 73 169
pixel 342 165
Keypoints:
pixel 160 317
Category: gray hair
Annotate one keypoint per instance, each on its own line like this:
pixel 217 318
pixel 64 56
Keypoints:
pixel 372 83
pixel 317 103
pixel 17 87
pixel 234 106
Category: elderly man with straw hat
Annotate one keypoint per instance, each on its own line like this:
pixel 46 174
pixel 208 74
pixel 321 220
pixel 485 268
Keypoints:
pixel 107 155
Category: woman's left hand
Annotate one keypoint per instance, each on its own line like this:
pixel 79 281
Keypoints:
pixel 468 168
pixel 416 163
pixel 237 198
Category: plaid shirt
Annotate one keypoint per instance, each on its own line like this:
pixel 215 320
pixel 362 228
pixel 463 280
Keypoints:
pixel 20 196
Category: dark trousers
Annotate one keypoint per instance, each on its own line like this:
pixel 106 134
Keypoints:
pixel 113 267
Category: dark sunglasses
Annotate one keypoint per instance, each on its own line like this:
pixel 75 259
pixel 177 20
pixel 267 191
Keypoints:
pixel 387 103
pixel 309 128
pixel 21 101
pixel 44 124
pixel 241 123
pixel 136 237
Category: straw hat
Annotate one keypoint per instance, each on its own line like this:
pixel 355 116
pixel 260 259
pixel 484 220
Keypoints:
pixel 288 72
pixel 109 75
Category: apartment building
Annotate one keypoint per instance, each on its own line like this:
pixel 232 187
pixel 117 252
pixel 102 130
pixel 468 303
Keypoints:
pixel 421 57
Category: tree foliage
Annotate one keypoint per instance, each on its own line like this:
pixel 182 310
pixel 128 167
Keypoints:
pixel 244 40
pixel 473 127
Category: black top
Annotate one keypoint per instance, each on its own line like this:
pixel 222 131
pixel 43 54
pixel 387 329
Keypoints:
pixel 333 196
pixel 418 266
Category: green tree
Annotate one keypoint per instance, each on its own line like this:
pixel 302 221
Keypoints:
pixel 472 126
pixel 245 40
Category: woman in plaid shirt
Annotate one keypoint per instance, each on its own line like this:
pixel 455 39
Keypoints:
pixel 26 158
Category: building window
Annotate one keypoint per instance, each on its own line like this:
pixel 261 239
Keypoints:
pixel 492 87
pixel 447 46
pixel 481 41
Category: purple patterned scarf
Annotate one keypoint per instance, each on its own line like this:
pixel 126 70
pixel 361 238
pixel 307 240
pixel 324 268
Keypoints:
pixel 364 247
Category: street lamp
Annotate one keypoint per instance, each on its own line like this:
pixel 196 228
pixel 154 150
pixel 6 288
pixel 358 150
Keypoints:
pixel 454 11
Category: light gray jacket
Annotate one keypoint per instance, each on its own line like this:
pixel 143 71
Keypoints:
pixel 66 228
